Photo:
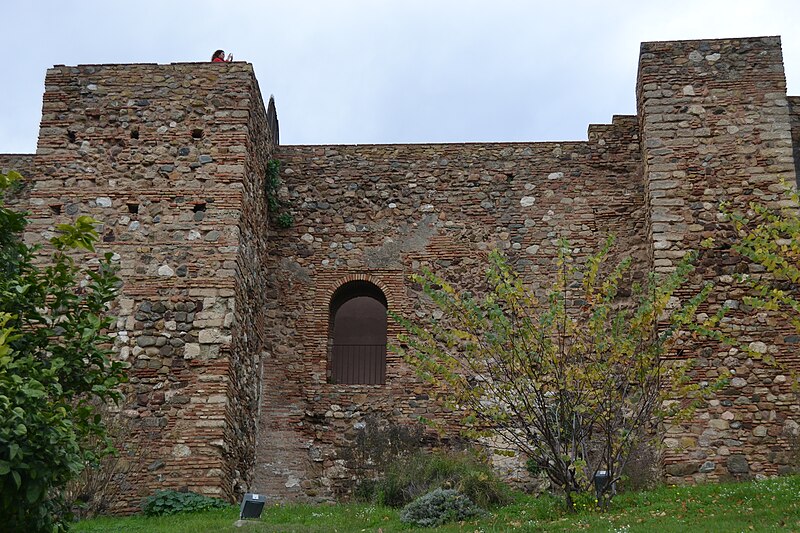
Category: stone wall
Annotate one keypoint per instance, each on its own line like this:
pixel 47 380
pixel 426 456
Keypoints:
pixel 22 163
pixel 380 213
pixel 252 297
pixel 715 126
pixel 168 158
pixel 794 110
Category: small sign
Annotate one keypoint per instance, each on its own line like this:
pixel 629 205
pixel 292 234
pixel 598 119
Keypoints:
pixel 252 505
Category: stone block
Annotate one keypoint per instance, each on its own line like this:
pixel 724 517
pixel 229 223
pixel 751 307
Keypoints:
pixel 738 464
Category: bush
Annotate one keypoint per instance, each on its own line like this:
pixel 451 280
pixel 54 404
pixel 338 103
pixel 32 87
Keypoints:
pixel 169 502
pixel 415 475
pixel 438 507
pixel 56 365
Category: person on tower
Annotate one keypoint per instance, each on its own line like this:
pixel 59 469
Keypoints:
pixel 219 57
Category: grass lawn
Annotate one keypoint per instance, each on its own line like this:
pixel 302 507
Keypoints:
pixel 769 505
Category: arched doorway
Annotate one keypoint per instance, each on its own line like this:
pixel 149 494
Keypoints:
pixel 357 334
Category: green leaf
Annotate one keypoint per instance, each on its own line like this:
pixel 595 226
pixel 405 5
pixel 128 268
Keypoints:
pixel 34 492
pixel 13 450
pixel 33 393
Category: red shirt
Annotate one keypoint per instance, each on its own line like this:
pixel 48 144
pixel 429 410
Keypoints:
pixel 217 60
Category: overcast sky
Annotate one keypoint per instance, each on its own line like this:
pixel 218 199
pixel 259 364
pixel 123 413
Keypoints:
pixel 387 71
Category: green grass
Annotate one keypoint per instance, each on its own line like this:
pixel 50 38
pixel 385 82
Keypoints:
pixel 769 505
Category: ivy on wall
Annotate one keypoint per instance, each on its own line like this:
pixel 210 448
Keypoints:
pixel 279 213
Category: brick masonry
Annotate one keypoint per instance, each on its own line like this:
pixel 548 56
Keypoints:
pixel 170 158
pixel 716 126
pixel 224 318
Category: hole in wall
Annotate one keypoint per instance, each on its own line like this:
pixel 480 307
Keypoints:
pixel 199 207
pixel 71 136
pixel 134 134
pixel 197 133
pixel 56 209
pixel 133 208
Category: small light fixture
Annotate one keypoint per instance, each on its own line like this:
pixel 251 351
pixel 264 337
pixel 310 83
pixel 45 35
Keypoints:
pixel 252 505
pixel 601 484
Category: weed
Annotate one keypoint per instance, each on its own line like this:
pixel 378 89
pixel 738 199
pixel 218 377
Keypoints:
pixel 169 502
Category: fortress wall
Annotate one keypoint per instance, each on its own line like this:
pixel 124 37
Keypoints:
pixel 715 127
pixel 224 317
pixel 794 113
pixel 381 213
pixel 160 154
pixel 251 298
pixel 22 163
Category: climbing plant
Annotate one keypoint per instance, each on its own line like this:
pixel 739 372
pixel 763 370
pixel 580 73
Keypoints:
pixel 770 238
pixel 278 209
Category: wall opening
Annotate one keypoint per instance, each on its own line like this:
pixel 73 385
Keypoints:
pixel 357 334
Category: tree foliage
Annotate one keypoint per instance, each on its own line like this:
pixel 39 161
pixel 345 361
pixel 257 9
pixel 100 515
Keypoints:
pixel 770 239
pixel 54 360
pixel 573 382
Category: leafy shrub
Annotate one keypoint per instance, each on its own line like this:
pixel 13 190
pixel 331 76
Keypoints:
pixel 169 502
pixel 419 473
pixel 55 366
pixel 643 469
pixel 438 507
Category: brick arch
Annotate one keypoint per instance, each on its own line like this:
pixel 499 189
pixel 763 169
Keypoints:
pixel 370 278
pixel 314 331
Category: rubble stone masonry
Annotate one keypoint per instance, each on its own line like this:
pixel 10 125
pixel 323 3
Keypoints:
pixel 170 159
pixel 224 318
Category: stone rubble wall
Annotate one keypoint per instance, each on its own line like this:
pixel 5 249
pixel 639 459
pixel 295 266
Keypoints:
pixel 794 110
pixel 380 213
pixel 250 320
pixel 715 126
pixel 22 163
pixel 163 156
